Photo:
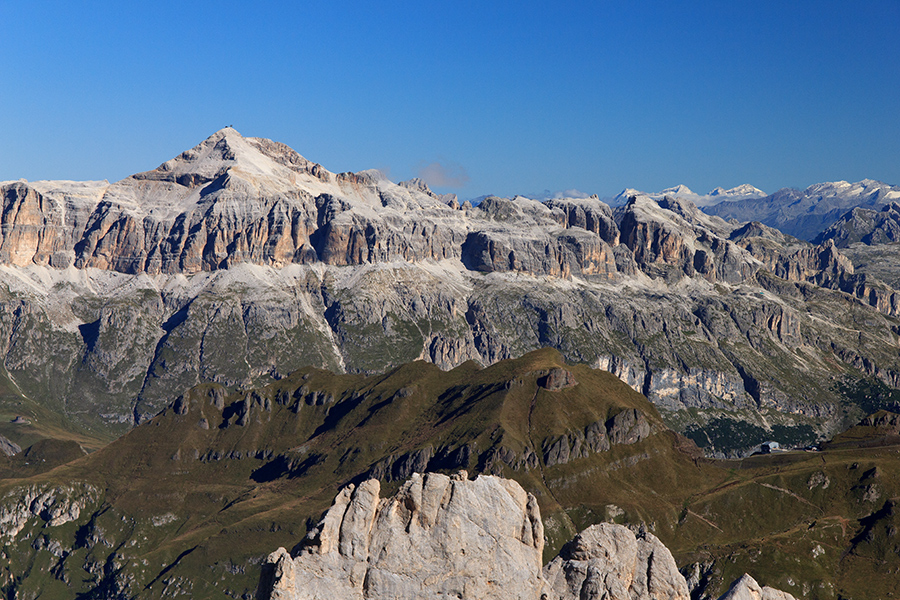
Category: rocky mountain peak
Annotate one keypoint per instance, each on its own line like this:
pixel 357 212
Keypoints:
pixel 416 184
pixel 867 225
pixel 755 229
pixel 225 150
pixel 678 190
pixel 740 192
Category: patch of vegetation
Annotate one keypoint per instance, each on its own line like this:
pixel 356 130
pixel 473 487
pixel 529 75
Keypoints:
pixel 793 435
pixel 726 434
pixel 731 434
pixel 870 394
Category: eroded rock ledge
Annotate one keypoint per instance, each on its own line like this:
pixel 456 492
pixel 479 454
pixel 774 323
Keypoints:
pixel 449 537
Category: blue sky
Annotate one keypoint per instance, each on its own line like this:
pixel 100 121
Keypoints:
pixel 480 97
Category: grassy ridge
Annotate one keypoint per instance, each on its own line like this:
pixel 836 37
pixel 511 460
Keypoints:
pixel 193 500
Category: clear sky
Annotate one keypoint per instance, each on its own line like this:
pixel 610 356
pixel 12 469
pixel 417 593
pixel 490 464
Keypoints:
pixel 479 97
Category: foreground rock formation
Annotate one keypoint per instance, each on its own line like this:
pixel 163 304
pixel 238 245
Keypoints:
pixel 610 561
pixel 449 537
pixel 437 538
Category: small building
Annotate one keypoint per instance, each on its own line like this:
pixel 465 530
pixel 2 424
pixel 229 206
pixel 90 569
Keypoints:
pixel 767 447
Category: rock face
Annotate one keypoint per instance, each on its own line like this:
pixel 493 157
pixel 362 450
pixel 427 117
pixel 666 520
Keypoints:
pixel 609 561
pixel 437 538
pixel 53 505
pixel 448 537
pixel 557 379
pixel 8 447
pixel 746 588
pixel 865 225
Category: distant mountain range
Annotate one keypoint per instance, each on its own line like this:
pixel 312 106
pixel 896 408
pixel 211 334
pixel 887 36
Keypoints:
pixel 806 213
pixel 683 192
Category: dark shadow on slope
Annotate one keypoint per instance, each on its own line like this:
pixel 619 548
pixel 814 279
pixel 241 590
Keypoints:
pixel 170 567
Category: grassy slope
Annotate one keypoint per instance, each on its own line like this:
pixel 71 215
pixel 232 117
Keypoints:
pixel 165 521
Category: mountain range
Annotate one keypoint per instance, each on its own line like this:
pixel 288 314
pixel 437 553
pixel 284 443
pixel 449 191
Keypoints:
pixel 806 213
pixel 239 261
pixel 683 192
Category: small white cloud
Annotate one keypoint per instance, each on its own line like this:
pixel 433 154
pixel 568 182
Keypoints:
pixel 443 173
pixel 572 193
pixel 548 195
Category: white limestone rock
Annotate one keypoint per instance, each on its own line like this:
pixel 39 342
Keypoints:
pixel 49 505
pixel 439 537
pixel 746 588
pixel 610 561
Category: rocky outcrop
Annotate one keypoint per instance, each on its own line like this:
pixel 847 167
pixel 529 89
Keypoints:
pixel 589 214
pixel 746 588
pixel 610 561
pixel 817 264
pixel 398 468
pixel 50 506
pixel 439 537
pixel 824 265
pixel 557 379
pixel 883 419
pixel 671 233
pixel 448 537
pixel 629 426
pixel 8 447
pixel 564 254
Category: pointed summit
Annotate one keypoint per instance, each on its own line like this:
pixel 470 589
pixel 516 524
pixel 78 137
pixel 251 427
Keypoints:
pixel 679 191
pixel 204 162
pixel 228 151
